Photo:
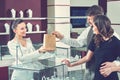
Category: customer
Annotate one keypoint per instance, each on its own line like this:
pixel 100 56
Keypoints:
pixel 108 67
pixel 104 46
pixel 22 50
pixel 84 38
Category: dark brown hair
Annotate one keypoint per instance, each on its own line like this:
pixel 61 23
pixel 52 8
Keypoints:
pixel 13 26
pixel 103 25
pixel 95 10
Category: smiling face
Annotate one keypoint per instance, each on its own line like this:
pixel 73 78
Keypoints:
pixel 90 20
pixel 20 30
pixel 95 29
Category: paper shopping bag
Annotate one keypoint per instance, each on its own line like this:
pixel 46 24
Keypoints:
pixel 49 42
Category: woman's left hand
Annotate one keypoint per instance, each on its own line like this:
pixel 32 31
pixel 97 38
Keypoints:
pixel 67 62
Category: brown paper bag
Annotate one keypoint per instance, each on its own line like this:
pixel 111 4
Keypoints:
pixel 49 42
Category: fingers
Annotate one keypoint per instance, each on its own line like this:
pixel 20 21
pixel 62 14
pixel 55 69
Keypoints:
pixel 103 67
pixel 103 64
pixel 58 34
pixel 102 72
pixel 106 71
pixel 106 64
pixel 63 60
pixel 67 62
pixel 43 49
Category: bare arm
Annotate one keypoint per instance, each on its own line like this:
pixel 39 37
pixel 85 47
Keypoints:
pixel 80 61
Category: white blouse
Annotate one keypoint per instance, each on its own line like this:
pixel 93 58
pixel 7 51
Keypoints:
pixel 26 57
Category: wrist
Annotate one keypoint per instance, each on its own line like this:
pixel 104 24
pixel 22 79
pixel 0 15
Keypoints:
pixel 114 69
pixel 74 64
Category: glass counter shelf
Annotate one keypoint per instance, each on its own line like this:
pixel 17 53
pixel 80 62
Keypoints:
pixel 51 71
pixel 48 73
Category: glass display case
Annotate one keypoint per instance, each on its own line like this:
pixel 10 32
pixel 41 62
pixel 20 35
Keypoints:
pixel 52 71
pixel 48 73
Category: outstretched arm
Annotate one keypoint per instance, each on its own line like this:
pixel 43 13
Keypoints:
pixel 81 41
pixel 80 61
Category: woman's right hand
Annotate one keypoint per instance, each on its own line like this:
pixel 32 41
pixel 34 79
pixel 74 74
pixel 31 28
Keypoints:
pixel 67 62
pixel 42 49
pixel 58 35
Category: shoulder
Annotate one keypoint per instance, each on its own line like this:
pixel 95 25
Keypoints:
pixel 116 40
pixel 116 35
pixel 11 43
pixel 28 40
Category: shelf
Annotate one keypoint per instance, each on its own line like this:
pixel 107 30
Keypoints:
pixel 35 18
pixel 35 32
pixel 38 18
pixel 26 32
pixel 4 33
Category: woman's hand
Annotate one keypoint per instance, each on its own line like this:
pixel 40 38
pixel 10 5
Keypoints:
pixel 58 35
pixel 67 62
pixel 42 49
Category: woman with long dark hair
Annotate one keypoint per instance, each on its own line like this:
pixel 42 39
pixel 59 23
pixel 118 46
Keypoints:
pixel 22 50
pixel 104 46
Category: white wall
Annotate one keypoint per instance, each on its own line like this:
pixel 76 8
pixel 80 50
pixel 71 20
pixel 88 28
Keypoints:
pixel 83 2
pixel 113 11
pixel 59 8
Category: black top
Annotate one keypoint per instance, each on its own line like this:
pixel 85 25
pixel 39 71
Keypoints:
pixel 107 51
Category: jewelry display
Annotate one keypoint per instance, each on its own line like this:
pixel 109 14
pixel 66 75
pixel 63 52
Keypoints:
pixel 7 27
pixel 21 14
pixel 37 27
pixel 13 12
pixel 29 26
pixel 30 13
